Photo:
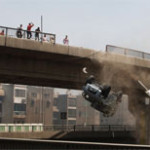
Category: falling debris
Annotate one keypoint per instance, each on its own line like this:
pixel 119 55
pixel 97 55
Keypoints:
pixel 84 70
pixel 147 91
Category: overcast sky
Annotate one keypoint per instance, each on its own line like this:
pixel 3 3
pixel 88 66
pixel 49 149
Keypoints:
pixel 88 23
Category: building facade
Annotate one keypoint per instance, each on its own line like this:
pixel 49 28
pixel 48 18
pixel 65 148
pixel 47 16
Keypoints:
pixel 70 109
pixel 26 104
pixel 31 104
pixel 65 109
pixel 39 105
pixel 60 110
pixel 86 115
pixel 6 103
pixel 19 103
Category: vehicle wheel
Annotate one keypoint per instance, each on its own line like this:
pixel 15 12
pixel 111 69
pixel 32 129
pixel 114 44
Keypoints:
pixel 87 96
pixel 90 79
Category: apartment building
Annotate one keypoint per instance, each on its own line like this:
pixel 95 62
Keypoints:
pixel 78 111
pixel 64 109
pixel 6 103
pixel 59 108
pixel 71 109
pixel 19 103
pixel 26 104
pixel 39 105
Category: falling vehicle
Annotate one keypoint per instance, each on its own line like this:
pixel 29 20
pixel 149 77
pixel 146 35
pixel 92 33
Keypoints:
pixel 100 97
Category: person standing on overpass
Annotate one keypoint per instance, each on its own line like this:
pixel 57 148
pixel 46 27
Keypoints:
pixel 29 34
pixel 66 41
pixel 2 32
pixel 37 31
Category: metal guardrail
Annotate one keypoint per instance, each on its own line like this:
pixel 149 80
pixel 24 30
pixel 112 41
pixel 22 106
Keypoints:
pixel 14 143
pixel 75 128
pixel 127 52
pixel 16 128
pixel 23 34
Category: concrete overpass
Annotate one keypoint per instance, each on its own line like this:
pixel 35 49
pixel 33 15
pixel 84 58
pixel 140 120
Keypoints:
pixel 24 61
pixel 34 63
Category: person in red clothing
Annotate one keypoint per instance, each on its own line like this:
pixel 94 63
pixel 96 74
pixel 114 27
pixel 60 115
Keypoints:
pixel 29 34
pixel 2 32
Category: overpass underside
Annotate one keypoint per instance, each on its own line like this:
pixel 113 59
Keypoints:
pixel 29 67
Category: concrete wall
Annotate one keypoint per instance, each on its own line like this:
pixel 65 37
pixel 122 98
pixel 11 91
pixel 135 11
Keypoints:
pixel 100 56
pixel 7 104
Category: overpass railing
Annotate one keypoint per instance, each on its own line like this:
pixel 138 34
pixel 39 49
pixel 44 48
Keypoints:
pixel 29 144
pixel 127 52
pixel 7 128
pixel 40 127
pixel 90 128
pixel 23 34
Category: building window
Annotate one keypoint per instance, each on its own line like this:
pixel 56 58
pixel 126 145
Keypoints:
pixel 71 112
pixel 71 122
pixel 46 95
pixel 80 113
pixel 72 102
pixel 0 108
pixel 55 102
pixel 36 110
pixel 32 103
pixel 19 93
pixel 56 122
pixel 48 104
pixel 34 94
pixel 19 107
pixel 56 115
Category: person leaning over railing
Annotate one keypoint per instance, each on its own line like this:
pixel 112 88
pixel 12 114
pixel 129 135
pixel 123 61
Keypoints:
pixel 2 32
pixel 37 31
pixel 19 32
pixel 44 38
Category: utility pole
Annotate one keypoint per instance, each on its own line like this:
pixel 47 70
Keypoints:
pixel 41 27
pixel 41 23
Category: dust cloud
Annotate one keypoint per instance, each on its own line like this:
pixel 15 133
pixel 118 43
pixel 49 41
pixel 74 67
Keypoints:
pixel 125 77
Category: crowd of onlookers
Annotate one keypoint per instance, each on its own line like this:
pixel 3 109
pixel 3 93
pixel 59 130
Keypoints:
pixel 37 32
pixel 19 34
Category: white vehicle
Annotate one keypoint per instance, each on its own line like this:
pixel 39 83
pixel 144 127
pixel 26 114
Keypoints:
pixel 147 91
